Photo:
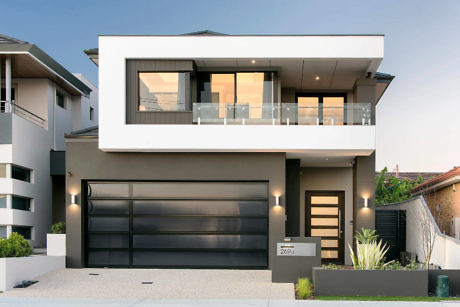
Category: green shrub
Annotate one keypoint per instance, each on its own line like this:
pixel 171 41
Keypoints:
pixel 365 236
pixel 303 288
pixel 58 228
pixel 15 246
pixel 332 266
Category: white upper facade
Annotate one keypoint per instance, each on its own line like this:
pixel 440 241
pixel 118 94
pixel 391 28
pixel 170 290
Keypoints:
pixel 303 64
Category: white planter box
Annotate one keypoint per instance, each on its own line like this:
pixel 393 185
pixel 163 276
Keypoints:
pixel 15 270
pixel 55 244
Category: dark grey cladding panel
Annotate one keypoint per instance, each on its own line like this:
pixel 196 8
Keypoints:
pixel 6 128
pixel 133 116
pixel 57 163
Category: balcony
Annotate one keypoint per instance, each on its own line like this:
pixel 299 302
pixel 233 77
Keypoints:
pixel 11 107
pixel 281 114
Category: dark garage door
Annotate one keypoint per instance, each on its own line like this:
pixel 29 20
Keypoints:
pixel 177 224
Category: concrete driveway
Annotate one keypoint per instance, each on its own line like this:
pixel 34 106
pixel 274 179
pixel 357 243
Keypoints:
pixel 156 284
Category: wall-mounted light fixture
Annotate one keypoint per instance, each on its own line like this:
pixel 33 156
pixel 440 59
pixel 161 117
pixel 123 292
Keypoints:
pixel 277 200
pixel 366 204
pixel 73 199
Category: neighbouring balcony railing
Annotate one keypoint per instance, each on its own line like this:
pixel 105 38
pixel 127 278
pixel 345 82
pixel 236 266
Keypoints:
pixel 281 114
pixel 11 107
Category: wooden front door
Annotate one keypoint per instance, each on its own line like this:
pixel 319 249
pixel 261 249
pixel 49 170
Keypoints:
pixel 324 217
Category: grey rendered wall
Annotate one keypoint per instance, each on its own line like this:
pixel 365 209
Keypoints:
pixel 133 116
pixel 364 92
pixel 85 161
pixel 364 186
pixel 329 179
pixel 290 268
pixel 370 282
pixel 6 128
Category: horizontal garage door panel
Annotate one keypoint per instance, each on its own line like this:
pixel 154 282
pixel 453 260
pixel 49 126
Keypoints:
pixel 200 207
pixel 99 223
pixel 108 207
pixel 199 224
pixel 202 259
pixel 108 240
pixel 189 241
pixel 177 224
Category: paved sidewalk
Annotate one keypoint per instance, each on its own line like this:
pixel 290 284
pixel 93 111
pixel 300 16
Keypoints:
pixel 156 284
pixel 47 302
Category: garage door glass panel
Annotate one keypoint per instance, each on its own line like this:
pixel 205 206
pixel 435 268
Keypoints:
pixel 200 241
pixel 108 241
pixel 108 224
pixel 108 190
pixel 108 207
pixel 108 258
pixel 205 224
pixel 200 259
pixel 200 190
pixel 200 207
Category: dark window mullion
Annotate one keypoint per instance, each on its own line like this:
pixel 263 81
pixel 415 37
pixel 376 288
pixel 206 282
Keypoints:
pixel 131 225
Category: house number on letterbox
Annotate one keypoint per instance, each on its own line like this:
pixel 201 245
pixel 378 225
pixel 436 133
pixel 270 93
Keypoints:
pixel 296 249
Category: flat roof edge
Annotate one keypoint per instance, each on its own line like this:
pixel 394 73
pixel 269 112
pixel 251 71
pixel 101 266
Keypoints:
pixel 233 35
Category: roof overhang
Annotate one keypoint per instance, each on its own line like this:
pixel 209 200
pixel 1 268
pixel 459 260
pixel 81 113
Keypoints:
pixel 29 61
pixel 437 186
pixel 383 81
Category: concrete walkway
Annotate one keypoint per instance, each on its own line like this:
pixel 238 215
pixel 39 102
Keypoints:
pixel 156 284
pixel 46 302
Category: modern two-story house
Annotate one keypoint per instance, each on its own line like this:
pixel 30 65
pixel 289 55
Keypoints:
pixel 40 102
pixel 226 151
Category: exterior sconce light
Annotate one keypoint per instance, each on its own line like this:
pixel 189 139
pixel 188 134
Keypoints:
pixel 277 200
pixel 73 199
pixel 366 204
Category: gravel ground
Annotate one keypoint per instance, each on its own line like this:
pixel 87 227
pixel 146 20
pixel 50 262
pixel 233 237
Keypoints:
pixel 161 284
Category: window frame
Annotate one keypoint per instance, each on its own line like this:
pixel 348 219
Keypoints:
pixel 30 200
pixel 187 90
pixel 321 96
pixel 30 228
pixel 63 100
pixel 274 80
pixel 91 113
pixel 30 177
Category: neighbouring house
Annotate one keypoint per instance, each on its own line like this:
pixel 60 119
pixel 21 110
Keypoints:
pixel 443 200
pixel 226 151
pixel 40 102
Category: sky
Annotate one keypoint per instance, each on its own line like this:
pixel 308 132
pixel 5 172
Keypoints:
pixel 418 118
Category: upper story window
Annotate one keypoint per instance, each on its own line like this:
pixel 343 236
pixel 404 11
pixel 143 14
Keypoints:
pixel 60 100
pixel 20 173
pixel 91 113
pixel 162 91
pixel 322 109
pixel 21 203
pixel 237 92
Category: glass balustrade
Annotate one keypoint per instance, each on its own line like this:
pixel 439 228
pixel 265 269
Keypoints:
pixel 281 114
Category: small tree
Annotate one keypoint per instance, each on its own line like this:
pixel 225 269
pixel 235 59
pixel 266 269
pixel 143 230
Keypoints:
pixel 428 235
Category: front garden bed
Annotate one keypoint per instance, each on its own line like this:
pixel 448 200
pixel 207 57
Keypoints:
pixel 370 282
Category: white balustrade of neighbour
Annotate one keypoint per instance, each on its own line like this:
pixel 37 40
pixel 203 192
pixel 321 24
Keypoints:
pixel 11 107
